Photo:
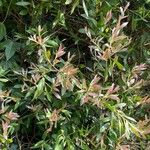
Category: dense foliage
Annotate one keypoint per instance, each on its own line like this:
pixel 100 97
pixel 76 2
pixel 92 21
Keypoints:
pixel 74 74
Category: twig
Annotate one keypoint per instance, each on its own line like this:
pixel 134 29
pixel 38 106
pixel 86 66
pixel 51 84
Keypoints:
pixel 7 11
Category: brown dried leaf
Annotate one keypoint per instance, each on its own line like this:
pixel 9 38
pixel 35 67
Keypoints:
pixel 144 125
pixel 36 78
pixel 54 116
pixel 145 100
pixel 4 94
pixel 106 54
pixel 70 70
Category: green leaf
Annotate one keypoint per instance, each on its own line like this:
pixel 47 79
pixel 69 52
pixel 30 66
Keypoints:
pixel 3 80
pixel 60 19
pixel 23 12
pixel 2 31
pixel 85 8
pixel 112 108
pixel 38 144
pixel 52 43
pixel 127 130
pixel 81 30
pixel 1 3
pixel 48 95
pixel 58 147
pixel 119 65
pixel 75 4
pixel 30 92
pixel 112 134
pixel 10 49
pixel 135 130
pixel 9 140
pixel 131 119
pixel 68 2
pixel 22 3
pixel 40 88
pixel 121 105
pixel 14 147
pixel 104 127
pixel 3 72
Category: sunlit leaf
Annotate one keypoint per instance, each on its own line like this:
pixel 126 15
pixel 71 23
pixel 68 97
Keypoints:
pixel 3 80
pixel 74 5
pixel 22 3
pixel 68 2
pixel 40 88
pixel 85 8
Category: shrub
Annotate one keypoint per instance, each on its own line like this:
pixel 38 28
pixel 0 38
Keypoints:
pixel 74 74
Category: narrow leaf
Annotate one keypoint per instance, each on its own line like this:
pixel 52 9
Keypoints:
pixel 85 8
pixel 75 4
pixel 40 88
pixel 2 31
pixel 3 80
pixel 68 2
pixel 22 3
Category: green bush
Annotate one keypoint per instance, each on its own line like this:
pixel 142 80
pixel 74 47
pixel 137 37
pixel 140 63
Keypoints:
pixel 74 74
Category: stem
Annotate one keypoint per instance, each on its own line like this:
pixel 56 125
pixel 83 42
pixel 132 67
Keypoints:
pixel 7 11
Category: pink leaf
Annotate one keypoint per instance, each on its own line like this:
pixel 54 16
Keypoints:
pixel 108 17
pixel 114 97
pixel 60 51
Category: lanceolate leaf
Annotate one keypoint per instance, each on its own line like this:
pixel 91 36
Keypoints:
pixel 22 3
pixel 9 49
pixel 2 31
pixel 3 80
pixel 68 2
pixel 75 4
pixel 40 88
pixel 85 8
